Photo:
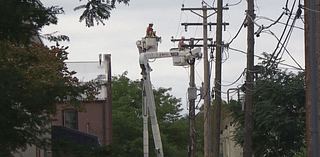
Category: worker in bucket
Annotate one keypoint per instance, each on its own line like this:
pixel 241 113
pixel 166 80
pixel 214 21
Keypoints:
pixel 150 32
pixel 181 43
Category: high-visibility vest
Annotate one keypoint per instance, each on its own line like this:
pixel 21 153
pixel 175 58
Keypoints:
pixel 180 46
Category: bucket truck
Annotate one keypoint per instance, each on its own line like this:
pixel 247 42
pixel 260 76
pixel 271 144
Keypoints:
pixel 148 49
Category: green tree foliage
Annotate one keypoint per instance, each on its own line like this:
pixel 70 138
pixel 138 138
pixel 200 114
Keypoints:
pixel 33 79
pixel 279 113
pixel 95 11
pixel 21 19
pixel 127 120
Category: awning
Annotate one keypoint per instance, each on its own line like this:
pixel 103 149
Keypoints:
pixel 75 136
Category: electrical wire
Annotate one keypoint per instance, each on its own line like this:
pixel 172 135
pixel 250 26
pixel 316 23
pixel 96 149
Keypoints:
pixel 302 19
pixel 279 41
pixel 317 11
pixel 229 37
pixel 275 22
pixel 256 6
pixel 195 32
pixel 204 2
pixel 284 43
pixel 259 57
pixel 244 21
pixel 234 82
pixel 270 32
pixel 76 62
pixel 234 93
pixel 226 54
pixel 287 23
pixel 213 3
pixel 266 18
pixel 197 71
pixel 230 5
pixel 179 24
pixel 180 18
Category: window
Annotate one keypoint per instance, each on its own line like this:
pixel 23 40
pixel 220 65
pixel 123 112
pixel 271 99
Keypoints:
pixel 70 119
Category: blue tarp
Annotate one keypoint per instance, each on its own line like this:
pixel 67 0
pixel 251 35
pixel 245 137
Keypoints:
pixel 75 136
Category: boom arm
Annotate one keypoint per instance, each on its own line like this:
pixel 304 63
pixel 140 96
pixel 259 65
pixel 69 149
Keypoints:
pixel 150 104
pixel 148 97
pixel 186 55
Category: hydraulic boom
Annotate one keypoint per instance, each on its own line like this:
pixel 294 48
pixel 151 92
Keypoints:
pixel 148 50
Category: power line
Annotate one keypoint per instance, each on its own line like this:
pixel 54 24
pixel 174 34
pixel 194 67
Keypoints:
pixel 244 21
pixel 266 18
pixel 76 62
pixel 275 22
pixel 179 24
pixel 287 24
pixel 234 82
pixel 285 41
pixel 230 5
pixel 317 11
pixel 241 51
pixel 270 32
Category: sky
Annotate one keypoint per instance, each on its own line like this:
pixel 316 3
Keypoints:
pixel 128 24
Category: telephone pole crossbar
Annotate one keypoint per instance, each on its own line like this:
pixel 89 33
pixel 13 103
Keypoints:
pixel 191 45
pixel 194 39
pixel 200 24
pixel 211 8
pixel 208 45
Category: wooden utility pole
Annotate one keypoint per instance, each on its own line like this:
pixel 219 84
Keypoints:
pixel 312 40
pixel 192 122
pixel 207 125
pixel 247 149
pixel 307 73
pixel 317 7
pixel 217 86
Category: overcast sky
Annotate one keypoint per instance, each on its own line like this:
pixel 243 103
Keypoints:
pixel 128 24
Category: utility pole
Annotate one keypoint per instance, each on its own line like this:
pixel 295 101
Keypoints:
pixel 192 122
pixel 317 7
pixel 192 96
pixel 247 149
pixel 217 86
pixel 207 125
pixel 307 73
pixel 206 97
pixel 312 49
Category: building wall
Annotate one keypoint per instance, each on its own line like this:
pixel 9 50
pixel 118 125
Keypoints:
pixel 33 151
pixel 92 121
pixel 228 147
pixel 97 120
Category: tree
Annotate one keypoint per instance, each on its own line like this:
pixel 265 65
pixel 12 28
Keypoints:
pixel 127 120
pixel 21 19
pixel 33 79
pixel 279 113
pixel 97 10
